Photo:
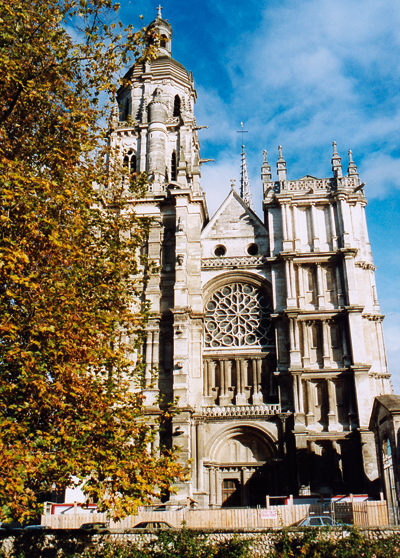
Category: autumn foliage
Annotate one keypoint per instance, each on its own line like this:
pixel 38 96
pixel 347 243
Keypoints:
pixel 72 314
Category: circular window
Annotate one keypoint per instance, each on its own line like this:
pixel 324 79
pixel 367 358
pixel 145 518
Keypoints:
pixel 220 250
pixel 252 249
pixel 238 315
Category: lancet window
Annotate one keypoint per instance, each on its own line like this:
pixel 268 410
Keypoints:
pixel 173 166
pixel 177 106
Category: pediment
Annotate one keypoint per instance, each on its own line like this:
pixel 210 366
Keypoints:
pixel 234 219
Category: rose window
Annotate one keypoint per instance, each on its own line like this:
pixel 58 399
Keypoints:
pixel 238 315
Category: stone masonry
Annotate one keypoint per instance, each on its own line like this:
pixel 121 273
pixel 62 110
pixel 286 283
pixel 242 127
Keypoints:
pixel 268 330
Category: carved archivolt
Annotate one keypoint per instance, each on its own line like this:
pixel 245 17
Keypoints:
pixel 238 315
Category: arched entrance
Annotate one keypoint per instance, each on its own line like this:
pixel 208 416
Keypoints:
pixel 243 468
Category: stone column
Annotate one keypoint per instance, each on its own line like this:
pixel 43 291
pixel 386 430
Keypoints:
pixel 310 404
pixel 346 223
pixel 200 454
pixel 238 378
pixel 206 392
pixel 213 390
pixel 244 369
pixel 228 381
pixel 213 487
pixel 193 453
pixel 297 241
pixel 300 278
pixel 301 396
pixel 256 371
pixel 306 345
pixel 320 288
pixel 333 227
pixel 296 393
pixel 332 406
pixel 315 228
pixel 326 358
pixel 224 397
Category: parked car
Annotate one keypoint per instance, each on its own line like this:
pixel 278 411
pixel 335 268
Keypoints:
pixel 98 525
pixel 317 521
pixel 36 527
pixel 11 525
pixel 153 525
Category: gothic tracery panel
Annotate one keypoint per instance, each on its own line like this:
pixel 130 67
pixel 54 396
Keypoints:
pixel 238 315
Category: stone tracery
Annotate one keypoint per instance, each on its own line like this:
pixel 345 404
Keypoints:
pixel 238 315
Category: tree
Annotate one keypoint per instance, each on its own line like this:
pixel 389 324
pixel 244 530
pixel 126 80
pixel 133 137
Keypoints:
pixel 72 314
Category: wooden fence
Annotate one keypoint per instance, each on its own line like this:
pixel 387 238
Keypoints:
pixel 360 513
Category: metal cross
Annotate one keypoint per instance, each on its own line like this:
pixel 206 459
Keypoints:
pixel 242 131
pixel 159 8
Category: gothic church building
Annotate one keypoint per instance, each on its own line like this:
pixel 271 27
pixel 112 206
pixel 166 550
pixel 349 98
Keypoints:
pixel 268 330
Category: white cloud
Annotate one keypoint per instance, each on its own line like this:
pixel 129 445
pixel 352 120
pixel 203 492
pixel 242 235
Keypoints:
pixel 381 174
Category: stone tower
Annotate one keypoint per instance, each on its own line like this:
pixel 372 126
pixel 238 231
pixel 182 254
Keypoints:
pixel 268 331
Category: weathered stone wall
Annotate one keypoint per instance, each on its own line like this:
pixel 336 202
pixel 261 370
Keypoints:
pixel 59 543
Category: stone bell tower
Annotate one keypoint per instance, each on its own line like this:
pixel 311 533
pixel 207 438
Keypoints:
pixel 154 130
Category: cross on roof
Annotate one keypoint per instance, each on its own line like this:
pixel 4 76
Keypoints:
pixel 242 131
pixel 159 8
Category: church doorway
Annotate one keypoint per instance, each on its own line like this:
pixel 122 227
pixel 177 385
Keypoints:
pixel 231 493
pixel 242 471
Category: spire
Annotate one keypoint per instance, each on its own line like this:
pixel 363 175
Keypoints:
pixel 281 165
pixel 336 162
pixel 159 14
pixel 352 168
pixel 245 192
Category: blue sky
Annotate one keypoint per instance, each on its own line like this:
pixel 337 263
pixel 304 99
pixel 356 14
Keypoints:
pixel 300 73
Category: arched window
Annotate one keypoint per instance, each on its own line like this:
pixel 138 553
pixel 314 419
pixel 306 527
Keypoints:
pixel 163 41
pixel 130 162
pixel 173 166
pixel 177 106
pixel 238 315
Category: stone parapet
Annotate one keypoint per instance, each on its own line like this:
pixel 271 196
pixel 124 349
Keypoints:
pixel 238 411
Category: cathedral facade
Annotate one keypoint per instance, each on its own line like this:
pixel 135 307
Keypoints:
pixel 267 331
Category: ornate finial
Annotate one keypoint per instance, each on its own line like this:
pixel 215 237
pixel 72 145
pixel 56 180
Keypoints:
pixel 265 169
pixel 352 168
pixel 233 183
pixel 281 165
pixel 115 114
pixel 336 162
pixel 159 14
